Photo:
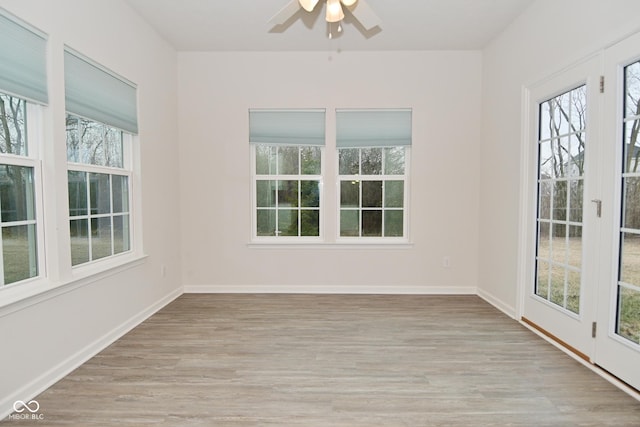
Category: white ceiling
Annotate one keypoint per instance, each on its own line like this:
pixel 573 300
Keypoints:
pixel 242 25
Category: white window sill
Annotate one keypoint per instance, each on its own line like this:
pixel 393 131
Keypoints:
pixel 22 295
pixel 359 245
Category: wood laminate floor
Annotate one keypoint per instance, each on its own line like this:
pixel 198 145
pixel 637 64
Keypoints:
pixel 333 360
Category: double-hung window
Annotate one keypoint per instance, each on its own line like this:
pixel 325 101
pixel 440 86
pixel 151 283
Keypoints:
pixel 23 89
pixel 101 121
pixel 99 174
pixel 373 152
pixel 287 151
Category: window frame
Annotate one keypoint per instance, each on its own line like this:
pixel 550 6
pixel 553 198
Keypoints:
pixel 127 170
pixel 32 159
pixel 405 178
pixel 255 177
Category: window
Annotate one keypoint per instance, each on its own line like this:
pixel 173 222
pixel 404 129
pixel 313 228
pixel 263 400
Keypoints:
pixel 288 190
pixel 287 148
pixel 18 171
pixel 23 88
pixel 101 121
pixel 98 177
pixel 372 191
pixel 373 152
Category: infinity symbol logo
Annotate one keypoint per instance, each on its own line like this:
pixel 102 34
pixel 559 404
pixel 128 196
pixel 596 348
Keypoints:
pixel 33 406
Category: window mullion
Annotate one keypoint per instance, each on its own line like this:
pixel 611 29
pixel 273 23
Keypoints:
pixel 2 280
pixel 111 214
pixel 89 216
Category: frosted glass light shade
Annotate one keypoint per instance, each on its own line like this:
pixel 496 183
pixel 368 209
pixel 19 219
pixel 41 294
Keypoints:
pixel 308 5
pixel 334 11
pixel 348 3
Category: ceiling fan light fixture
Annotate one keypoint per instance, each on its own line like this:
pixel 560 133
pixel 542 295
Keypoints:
pixel 334 11
pixel 308 5
pixel 349 3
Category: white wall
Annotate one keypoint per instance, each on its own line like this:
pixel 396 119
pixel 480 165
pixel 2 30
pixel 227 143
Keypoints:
pixel 43 338
pixel 549 36
pixel 215 92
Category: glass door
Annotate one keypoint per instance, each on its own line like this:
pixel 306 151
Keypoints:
pixel 618 337
pixel 563 168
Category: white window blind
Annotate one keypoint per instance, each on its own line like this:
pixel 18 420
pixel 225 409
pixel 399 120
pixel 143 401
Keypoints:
pixel 287 127
pixel 23 61
pixel 94 93
pixel 373 128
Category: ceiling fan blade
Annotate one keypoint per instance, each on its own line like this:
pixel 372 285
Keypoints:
pixel 365 15
pixel 285 14
pixel 308 5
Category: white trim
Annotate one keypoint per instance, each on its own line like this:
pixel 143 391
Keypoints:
pixel 594 368
pixel 495 302
pixel 330 289
pixel 354 244
pixel 53 375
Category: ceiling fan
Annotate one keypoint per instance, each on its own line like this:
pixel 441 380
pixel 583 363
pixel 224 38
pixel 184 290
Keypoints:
pixel 335 13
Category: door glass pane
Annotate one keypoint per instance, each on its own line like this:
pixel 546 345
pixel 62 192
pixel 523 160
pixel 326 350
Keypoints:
pixel 560 200
pixel 630 259
pixel 542 279
pixel 629 314
pixel 545 190
pixel 576 190
pixel 561 146
pixel 628 307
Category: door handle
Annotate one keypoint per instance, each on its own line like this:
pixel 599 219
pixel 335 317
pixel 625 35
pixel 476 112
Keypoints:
pixel 598 203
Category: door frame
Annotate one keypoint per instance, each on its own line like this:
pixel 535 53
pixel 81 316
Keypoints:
pixel 586 71
pixel 528 205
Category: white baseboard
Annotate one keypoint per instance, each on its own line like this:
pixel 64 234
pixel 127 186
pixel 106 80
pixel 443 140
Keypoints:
pixel 334 289
pixel 46 380
pixel 500 305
